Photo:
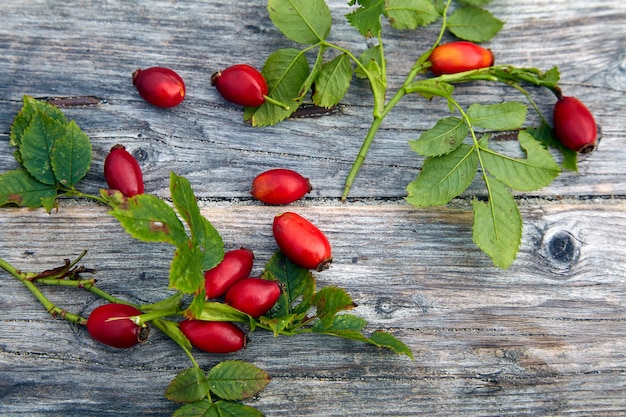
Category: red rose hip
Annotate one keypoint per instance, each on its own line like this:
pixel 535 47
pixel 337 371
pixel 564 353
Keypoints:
pixel 214 336
pixel 159 86
pixel 236 265
pixel 280 186
pixel 241 84
pixel 110 324
pixel 301 241
pixel 122 172
pixel 253 296
pixel 455 57
pixel 574 125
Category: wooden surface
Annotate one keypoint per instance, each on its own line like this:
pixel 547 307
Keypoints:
pixel 545 337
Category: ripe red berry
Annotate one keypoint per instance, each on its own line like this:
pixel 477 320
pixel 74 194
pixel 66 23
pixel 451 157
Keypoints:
pixel 214 336
pixel 280 186
pixel 236 265
pixel 241 84
pixel 454 57
pixel 301 241
pixel 253 296
pixel 574 125
pixel 122 172
pixel 110 324
pixel 159 86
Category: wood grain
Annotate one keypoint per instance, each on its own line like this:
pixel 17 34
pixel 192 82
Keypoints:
pixel 545 337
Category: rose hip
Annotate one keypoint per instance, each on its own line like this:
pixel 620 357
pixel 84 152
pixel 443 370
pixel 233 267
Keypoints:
pixel 574 125
pixel 110 324
pixel 241 84
pixel 455 57
pixel 214 336
pixel 159 86
pixel 236 265
pixel 122 172
pixel 280 186
pixel 301 241
pixel 253 296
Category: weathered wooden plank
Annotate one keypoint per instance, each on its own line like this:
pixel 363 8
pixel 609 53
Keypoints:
pixel 545 336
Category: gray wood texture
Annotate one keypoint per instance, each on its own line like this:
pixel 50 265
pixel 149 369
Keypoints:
pixel 547 337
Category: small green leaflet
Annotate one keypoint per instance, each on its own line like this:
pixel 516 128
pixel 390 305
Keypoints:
pixel 497 229
pixel 236 380
pixel 70 156
pixel 206 408
pixel 443 177
pixel 24 116
pixel 447 135
pixel 36 146
pixel 410 14
pixel 20 188
pixel 188 386
pixel 329 301
pixel 366 18
pixel 501 116
pixel 333 81
pixel 369 55
pixel 302 21
pixel 286 72
pixel 474 24
pixel 298 285
pixel 538 170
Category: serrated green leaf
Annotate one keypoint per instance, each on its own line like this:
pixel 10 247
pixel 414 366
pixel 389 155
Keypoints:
pixel 366 18
pixel 20 188
pixel 148 218
pixel 186 272
pixel 203 408
pixel 329 301
pixel 237 380
pixel 370 54
pixel 409 14
pixel 286 72
pixel 302 21
pixel 297 283
pixel 477 3
pixel 344 322
pixel 70 156
pixel 188 386
pixel 501 116
pixel 474 24
pixel 284 322
pixel 333 81
pixel 196 306
pixel 538 170
pixel 447 135
pixel 204 236
pixel 24 116
pixel 387 340
pixel 497 226
pixel 443 177
pixel 36 146
pixel 545 135
pixel 206 408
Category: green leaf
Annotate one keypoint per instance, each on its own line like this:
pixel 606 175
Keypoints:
pixel 474 24
pixel 366 18
pixel 387 340
pixel 447 135
pixel 203 408
pixel 501 116
pixel 545 135
pixel 186 273
pixel 217 311
pixel 236 380
pixel 409 14
pixel 497 226
pixel 538 170
pixel 475 2
pixel 329 301
pixel 172 331
pixel 20 188
pixel 286 72
pixel 369 55
pixel 429 88
pixel 378 85
pixel 204 236
pixel 333 81
pixel 285 323
pixel 343 322
pixel 24 116
pixel 70 156
pixel 206 408
pixel 297 283
pixel 196 306
pixel 188 386
pixel 36 146
pixel 302 21
pixel 443 177
pixel 148 218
